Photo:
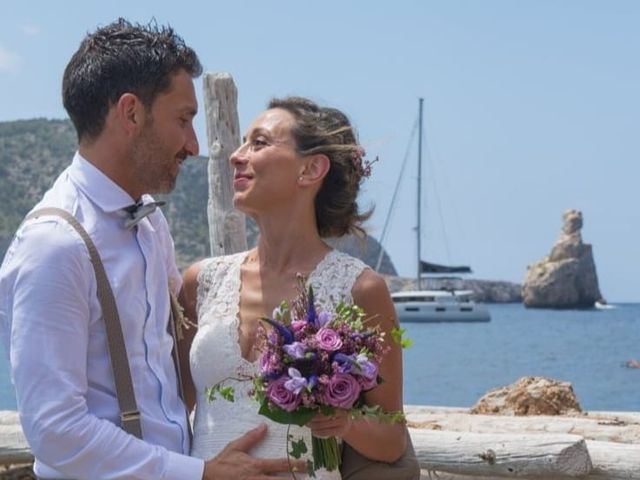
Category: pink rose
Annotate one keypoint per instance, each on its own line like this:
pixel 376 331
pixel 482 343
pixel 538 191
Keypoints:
pixel 342 390
pixel 328 339
pixel 281 396
pixel 298 325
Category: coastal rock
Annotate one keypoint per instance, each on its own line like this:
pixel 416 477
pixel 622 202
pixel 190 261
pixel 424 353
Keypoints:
pixel 530 396
pixel 484 291
pixel 566 278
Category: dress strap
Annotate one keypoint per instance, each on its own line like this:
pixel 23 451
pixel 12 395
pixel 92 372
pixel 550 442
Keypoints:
pixel 335 277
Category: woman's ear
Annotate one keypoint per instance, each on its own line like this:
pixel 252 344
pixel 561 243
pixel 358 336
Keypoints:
pixel 315 169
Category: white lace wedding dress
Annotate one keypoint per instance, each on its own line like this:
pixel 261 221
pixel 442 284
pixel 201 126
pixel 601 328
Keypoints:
pixel 215 355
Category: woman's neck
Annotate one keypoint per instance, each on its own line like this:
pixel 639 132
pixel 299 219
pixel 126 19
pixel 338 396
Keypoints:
pixel 288 242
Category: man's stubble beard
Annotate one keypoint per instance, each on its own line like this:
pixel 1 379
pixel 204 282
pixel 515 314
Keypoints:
pixel 151 175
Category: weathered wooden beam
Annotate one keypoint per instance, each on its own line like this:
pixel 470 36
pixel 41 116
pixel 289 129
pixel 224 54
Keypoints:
pixel 611 461
pixel 502 455
pixel 13 446
pixel 614 461
pixel 226 225
pixel 621 427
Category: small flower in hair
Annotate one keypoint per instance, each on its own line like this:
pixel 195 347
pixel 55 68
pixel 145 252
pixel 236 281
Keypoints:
pixel 363 167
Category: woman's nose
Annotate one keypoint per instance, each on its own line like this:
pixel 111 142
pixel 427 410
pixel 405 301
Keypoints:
pixel 238 156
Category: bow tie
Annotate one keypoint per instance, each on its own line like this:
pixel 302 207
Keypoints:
pixel 138 211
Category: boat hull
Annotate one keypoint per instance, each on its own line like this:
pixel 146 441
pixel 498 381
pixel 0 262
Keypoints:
pixel 425 312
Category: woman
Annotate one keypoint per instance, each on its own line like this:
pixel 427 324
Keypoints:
pixel 297 174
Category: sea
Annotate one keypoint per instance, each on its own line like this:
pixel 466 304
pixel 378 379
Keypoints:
pixel 454 364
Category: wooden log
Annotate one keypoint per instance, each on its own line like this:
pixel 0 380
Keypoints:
pixel 611 461
pixel 503 455
pixel 614 461
pixel 13 446
pixel 226 225
pixel 622 427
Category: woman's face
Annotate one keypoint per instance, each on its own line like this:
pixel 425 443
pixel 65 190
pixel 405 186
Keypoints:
pixel 266 165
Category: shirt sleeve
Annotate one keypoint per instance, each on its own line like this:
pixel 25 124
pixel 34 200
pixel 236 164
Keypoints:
pixel 53 281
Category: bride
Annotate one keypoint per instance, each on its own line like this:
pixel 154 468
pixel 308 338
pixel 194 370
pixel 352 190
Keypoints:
pixel 297 174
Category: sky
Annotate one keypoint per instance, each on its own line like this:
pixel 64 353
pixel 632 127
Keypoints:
pixel 530 108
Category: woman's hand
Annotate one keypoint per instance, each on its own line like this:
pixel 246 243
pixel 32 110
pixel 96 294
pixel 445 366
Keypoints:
pixel 337 424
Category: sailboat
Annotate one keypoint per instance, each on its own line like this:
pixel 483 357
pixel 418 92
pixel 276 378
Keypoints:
pixel 447 303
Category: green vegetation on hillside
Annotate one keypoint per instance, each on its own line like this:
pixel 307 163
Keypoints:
pixel 34 152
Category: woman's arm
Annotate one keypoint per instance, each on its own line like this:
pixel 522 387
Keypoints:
pixel 380 441
pixel 188 298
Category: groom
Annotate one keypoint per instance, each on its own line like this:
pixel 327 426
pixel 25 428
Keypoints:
pixel 130 95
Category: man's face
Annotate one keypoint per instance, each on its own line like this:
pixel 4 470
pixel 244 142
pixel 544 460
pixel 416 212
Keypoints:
pixel 167 137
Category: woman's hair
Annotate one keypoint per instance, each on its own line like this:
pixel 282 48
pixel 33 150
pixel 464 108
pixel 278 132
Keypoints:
pixel 327 131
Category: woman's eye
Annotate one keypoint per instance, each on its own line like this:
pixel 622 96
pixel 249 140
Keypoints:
pixel 259 142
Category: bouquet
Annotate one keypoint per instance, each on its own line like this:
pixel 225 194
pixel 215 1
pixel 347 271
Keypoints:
pixel 314 361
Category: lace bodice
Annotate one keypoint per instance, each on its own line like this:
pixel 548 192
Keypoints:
pixel 215 354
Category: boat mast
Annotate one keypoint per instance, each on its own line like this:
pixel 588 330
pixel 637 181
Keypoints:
pixel 418 227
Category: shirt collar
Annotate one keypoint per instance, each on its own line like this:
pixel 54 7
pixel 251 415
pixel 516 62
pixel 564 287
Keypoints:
pixel 98 187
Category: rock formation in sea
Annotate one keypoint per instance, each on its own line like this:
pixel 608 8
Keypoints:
pixel 529 396
pixel 567 277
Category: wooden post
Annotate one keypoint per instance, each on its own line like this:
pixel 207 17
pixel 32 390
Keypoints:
pixel 226 225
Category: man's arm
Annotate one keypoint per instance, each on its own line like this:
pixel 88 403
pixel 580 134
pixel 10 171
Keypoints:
pixel 49 347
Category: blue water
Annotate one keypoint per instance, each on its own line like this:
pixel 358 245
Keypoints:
pixel 455 364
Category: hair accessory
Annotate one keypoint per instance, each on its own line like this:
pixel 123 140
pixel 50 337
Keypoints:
pixel 363 167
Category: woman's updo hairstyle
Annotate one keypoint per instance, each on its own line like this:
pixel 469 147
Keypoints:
pixel 328 131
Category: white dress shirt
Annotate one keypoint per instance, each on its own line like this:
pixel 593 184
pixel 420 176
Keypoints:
pixel 53 329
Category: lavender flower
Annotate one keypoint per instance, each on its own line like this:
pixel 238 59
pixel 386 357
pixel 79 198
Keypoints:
pixel 296 383
pixel 311 308
pixel 295 350
pixel 324 318
pixel 283 330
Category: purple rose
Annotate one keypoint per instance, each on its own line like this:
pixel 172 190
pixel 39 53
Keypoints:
pixel 341 391
pixel 281 396
pixel 328 339
pixel 295 350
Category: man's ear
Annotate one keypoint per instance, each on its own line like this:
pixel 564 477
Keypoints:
pixel 130 112
pixel 315 169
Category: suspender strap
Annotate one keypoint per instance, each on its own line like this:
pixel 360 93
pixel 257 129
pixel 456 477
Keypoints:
pixel 129 414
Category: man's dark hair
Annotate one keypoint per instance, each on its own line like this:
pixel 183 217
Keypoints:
pixel 122 58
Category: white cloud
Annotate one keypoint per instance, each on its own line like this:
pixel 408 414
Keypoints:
pixel 30 30
pixel 9 61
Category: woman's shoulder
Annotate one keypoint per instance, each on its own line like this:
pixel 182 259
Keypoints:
pixel 345 262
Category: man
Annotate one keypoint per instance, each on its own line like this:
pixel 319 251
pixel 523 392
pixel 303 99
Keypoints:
pixel 130 95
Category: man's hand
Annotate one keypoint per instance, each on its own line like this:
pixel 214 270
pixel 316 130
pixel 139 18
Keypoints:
pixel 235 463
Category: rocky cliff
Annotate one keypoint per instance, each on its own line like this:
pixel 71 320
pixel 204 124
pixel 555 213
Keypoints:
pixel 34 152
pixel 567 277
